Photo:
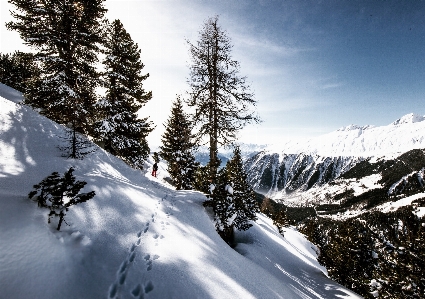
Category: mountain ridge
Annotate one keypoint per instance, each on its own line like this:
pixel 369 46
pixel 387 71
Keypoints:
pixel 300 166
pixel 362 141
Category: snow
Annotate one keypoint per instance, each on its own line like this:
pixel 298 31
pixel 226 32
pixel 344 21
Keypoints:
pixel 394 205
pixel 137 238
pixel 362 141
pixel 324 193
pixel 10 94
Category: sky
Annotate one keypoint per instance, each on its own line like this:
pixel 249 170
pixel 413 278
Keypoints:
pixel 314 66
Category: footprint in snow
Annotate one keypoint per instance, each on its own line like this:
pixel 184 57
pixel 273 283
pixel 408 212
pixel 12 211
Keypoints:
pixel 122 278
pixel 123 266
pixel 146 229
pixel 149 264
pixel 149 287
pixel 149 260
pixel 137 290
pixel 140 290
pixel 113 290
pixel 132 257
pixel 123 270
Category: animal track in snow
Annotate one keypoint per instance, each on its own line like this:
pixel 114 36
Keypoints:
pixel 132 257
pixel 139 291
pixel 113 290
pixel 121 275
pixel 149 260
pixel 148 287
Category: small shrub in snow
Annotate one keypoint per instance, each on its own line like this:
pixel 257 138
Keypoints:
pixel 58 193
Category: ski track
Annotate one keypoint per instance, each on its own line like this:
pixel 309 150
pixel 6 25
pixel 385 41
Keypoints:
pixel 156 223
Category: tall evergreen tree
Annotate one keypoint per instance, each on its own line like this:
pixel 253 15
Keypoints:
pixel 66 34
pixel 20 71
pixel 122 132
pixel 221 98
pixel 177 148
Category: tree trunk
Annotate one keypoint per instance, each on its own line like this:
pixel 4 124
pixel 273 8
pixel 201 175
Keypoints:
pixel 61 215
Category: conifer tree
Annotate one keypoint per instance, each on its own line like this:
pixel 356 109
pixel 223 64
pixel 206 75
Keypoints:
pixel 177 148
pixel 201 179
pixel 245 205
pixel 221 98
pixel 232 199
pixel 66 36
pixel 221 200
pixel 120 129
pixel 58 194
pixel 20 71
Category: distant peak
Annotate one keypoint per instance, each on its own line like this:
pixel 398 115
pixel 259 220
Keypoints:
pixel 354 127
pixel 409 119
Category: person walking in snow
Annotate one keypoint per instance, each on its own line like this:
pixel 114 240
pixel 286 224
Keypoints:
pixel 154 169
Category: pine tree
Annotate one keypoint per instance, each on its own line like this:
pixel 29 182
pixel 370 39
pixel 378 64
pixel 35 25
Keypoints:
pixel 66 35
pixel 58 194
pixel 177 148
pixel 245 205
pixel 232 199
pixel 221 200
pixel 201 179
pixel 120 129
pixel 221 97
pixel 20 71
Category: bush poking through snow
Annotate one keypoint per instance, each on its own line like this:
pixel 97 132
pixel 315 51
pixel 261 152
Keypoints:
pixel 59 193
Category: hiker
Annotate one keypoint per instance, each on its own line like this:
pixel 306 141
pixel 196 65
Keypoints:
pixel 154 169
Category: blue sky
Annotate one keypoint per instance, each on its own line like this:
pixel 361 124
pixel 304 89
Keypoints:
pixel 314 66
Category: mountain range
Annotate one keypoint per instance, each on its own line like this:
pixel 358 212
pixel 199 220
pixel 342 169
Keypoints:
pixel 288 172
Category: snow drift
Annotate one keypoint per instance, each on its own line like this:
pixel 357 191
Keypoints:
pixel 137 238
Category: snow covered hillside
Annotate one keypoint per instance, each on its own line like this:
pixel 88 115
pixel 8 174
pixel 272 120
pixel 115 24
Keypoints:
pixel 137 238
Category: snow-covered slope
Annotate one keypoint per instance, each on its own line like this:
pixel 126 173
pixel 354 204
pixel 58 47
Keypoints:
pixel 400 136
pixel 137 238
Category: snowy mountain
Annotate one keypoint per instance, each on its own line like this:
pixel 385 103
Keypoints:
pixel 358 194
pixel 363 141
pixel 302 165
pixel 137 238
